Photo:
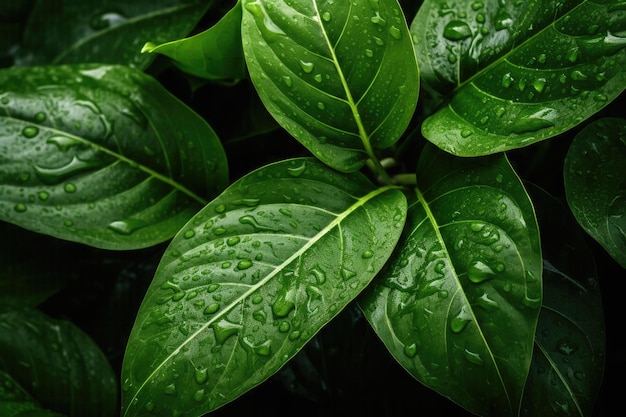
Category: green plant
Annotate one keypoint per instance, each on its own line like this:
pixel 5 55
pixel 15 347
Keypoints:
pixel 395 187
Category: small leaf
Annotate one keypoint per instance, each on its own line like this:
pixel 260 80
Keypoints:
pixel 341 77
pixel 102 155
pixel 57 364
pixel 523 72
pixel 457 303
pixel 109 32
pixel 595 184
pixel 214 54
pixel 250 279
pixel 568 360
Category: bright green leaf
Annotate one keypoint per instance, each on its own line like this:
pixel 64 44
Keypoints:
pixel 57 364
pixel 568 362
pixel 523 72
pixel 111 32
pixel 102 155
pixel 213 54
pixel 341 77
pixel 250 279
pixel 458 302
pixel 595 183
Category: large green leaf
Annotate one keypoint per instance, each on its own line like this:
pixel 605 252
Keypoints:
pixel 341 77
pixel 251 279
pixel 111 32
pixel 523 72
pixel 102 155
pixel 213 54
pixel 568 361
pixel 57 364
pixel 595 183
pixel 458 302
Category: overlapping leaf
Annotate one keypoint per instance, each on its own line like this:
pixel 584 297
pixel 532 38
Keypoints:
pixel 458 303
pixel 341 77
pixel 568 360
pixel 102 155
pixel 250 279
pixel 59 365
pixel 213 54
pixel 595 183
pixel 111 32
pixel 523 72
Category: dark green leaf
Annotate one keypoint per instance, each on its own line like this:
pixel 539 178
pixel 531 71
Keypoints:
pixel 341 77
pixel 458 302
pixel 102 155
pixel 250 279
pixel 111 32
pixel 16 402
pixel 213 54
pixel 568 360
pixel 523 72
pixel 595 183
pixel 57 364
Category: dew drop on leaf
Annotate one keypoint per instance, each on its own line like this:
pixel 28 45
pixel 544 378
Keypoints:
pixel 479 272
pixel 461 320
pixel 457 30
pixel 30 131
pixel 20 208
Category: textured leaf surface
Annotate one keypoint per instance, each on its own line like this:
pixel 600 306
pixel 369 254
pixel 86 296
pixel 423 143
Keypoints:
pixel 213 54
pixel 251 279
pixel 110 32
pixel 568 361
pixel 102 155
pixel 57 364
pixel 521 72
pixel 595 183
pixel 458 303
pixel 341 77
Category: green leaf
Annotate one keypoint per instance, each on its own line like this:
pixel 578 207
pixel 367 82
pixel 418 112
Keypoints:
pixel 250 279
pixel 102 155
pixel 458 302
pixel 595 184
pixel 523 72
pixel 341 77
pixel 568 361
pixel 215 54
pixel 16 402
pixel 57 364
pixel 112 32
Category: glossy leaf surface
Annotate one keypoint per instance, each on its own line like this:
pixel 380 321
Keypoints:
pixel 595 183
pixel 57 364
pixel 250 279
pixel 341 77
pixel 110 32
pixel 457 304
pixel 102 155
pixel 213 54
pixel 521 72
pixel 569 355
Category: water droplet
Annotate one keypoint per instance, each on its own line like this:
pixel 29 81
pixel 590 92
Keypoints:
pixel 466 133
pixel 410 350
pixel 457 30
pixel 346 274
pixel 472 357
pixel 487 303
pixel 461 320
pixel 244 264
pixel 321 105
pixel 20 208
pixel 369 53
pixel 565 347
pixel 126 385
pixel 503 20
pixel 539 84
pixel 478 272
pixel 287 80
pixel 262 349
pixel 284 304
pixel 378 20
pixel 224 330
pixel 295 335
pixel 198 396
pixel 284 327
pixel 126 227
pixel 318 78
pixel 43 196
pixel 149 406
pixel 40 117
pixel 189 234
pixel 226 265
pixel 395 32
pixel 378 41
pixel 367 254
pixel 233 240
pixel 170 390
pixel 507 80
pixel 307 66
pixel 106 20
pixel 534 122
pixel 326 16
pixel 58 174
pixel 578 76
pixel 30 131
pixel 260 316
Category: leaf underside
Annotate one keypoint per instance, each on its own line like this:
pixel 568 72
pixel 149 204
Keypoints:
pixel 250 279
pixel 341 77
pixel 457 304
pixel 521 73
pixel 102 155
pixel 595 185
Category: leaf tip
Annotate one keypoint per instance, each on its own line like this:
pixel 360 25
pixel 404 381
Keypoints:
pixel 148 47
